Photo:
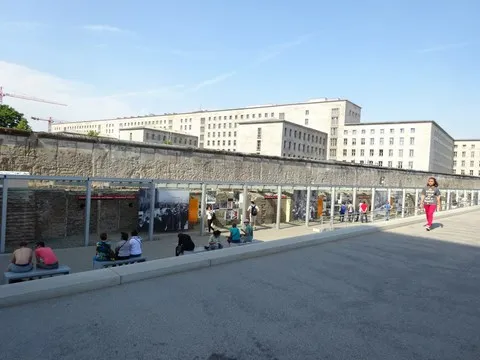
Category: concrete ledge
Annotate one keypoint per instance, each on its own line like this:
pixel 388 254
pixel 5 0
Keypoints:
pixel 31 291
pixel 161 267
pixel 47 288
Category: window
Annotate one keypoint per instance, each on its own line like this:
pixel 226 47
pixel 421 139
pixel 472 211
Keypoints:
pixel 390 164
pixel 472 154
pixel 208 142
pixel 354 152
pixel 372 152
pixel 402 141
pixel 380 152
pixel 390 152
pixel 363 131
pixel 372 131
pixel 454 154
pixel 333 142
pixel 392 131
pixel 259 133
pixel 462 172
pixel 306 121
pixel 381 141
pixel 362 141
pixel 372 141
pixel 354 132
pixel 354 141
pixel 362 152
pixel 471 172
pixel 463 162
pixel 412 130
pixel 345 141
pixel 464 154
pixel 412 141
pixel 345 132
pixel 333 152
pixel 391 141
pixel 410 164
pixel 400 165
pixel 333 131
pixel 454 162
pixel 382 131
pixel 380 163
pixel 307 112
pixel 411 153
pixel 472 163
pixel 344 152
pixel 402 130
pixel 400 153
pixel 281 116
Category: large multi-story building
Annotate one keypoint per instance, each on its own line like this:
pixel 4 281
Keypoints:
pixel 157 136
pixel 219 127
pixel 466 157
pixel 419 145
pixel 280 138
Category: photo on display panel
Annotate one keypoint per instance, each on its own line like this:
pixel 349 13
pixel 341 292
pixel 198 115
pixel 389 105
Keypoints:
pixel 170 212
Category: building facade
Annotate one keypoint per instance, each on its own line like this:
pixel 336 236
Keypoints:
pixel 274 137
pixel 157 136
pixel 466 157
pixel 219 127
pixel 419 145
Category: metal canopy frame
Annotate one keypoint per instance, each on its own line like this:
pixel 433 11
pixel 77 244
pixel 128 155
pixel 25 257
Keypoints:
pixel 204 186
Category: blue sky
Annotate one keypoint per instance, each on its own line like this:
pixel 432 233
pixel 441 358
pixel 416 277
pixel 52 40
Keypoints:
pixel 398 59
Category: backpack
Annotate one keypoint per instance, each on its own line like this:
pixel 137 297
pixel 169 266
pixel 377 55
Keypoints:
pixel 254 210
pixel 213 216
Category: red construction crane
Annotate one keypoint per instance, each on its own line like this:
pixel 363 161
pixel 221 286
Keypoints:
pixel 4 94
pixel 49 120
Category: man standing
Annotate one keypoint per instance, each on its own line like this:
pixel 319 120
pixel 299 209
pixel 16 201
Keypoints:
pixel 387 207
pixel 253 211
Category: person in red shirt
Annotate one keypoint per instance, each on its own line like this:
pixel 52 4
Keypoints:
pixel 46 258
pixel 363 211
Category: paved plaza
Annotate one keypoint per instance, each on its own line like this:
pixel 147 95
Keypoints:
pixel 80 258
pixel 398 294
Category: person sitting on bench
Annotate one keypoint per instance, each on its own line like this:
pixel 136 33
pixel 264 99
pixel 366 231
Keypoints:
pixel 215 241
pixel 21 259
pixel 122 250
pixel 247 231
pixel 235 236
pixel 185 243
pixel 46 258
pixel 135 245
pixel 104 250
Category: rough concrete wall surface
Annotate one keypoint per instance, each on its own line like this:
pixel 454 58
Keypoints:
pixel 66 155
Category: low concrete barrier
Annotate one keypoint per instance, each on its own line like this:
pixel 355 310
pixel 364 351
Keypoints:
pixel 31 291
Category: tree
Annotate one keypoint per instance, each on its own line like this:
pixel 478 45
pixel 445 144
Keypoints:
pixel 93 133
pixel 167 142
pixel 23 125
pixel 11 118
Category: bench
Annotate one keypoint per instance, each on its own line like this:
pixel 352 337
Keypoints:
pixel 10 277
pixel 201 249
pixel 113 263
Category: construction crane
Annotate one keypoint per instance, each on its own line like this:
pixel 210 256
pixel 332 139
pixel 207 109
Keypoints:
pixel 23 97
pixel 49 120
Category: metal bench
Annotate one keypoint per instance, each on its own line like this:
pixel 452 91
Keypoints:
pixel 10 277
pixel 113 263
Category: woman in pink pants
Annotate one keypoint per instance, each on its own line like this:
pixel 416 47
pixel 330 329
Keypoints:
pixel 430 200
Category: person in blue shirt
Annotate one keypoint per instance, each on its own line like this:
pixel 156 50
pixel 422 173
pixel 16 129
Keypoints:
pixel 234 234
pixel 343 209
pixel 387 208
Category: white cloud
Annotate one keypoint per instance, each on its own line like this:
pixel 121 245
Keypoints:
pixel 212 81
pixel 444 47
pixel 80 98
pixel 105 28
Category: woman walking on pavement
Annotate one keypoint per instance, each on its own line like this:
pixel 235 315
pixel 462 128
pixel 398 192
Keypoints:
pixel 430 200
